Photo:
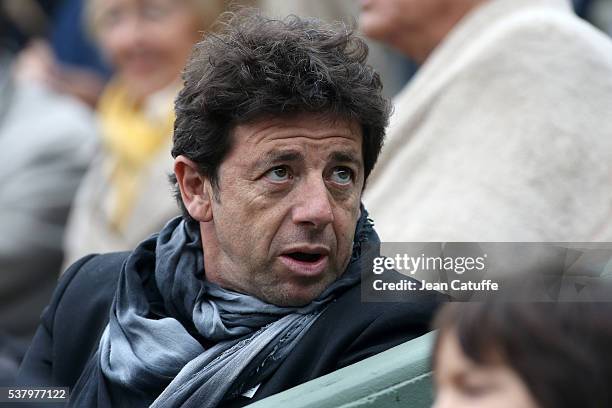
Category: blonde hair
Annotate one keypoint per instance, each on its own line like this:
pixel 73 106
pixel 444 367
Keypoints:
pixel 208 11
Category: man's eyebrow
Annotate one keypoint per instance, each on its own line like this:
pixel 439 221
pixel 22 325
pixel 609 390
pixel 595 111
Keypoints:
pixel 276 156
pixel 345 157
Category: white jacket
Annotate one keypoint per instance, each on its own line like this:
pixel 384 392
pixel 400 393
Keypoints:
pixel 505 134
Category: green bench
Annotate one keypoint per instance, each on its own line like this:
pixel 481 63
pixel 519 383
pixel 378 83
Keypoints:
pixel 398 377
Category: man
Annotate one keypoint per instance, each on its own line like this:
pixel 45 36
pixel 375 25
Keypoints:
pixel 256 288
pixel 504 132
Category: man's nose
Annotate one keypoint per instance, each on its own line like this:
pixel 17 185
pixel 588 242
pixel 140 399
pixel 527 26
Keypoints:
pixel 314 205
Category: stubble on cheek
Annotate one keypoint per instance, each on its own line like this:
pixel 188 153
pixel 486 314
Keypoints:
pixel 346 235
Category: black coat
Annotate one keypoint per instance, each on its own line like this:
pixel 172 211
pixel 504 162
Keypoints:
pixel 346 332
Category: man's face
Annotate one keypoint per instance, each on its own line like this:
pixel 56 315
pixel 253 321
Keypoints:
pixel 288 202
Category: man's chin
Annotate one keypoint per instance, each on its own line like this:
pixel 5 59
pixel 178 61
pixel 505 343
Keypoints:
pixel 295 295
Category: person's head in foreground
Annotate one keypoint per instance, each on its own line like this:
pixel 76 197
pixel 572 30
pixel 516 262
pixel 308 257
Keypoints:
pixel 523 355
pixel 256 287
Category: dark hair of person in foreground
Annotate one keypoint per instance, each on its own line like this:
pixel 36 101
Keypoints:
pixel 560 351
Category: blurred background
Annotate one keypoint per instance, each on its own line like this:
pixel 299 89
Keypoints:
pixel 86 96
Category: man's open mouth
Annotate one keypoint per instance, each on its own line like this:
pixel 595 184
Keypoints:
pixel 306 260
pixel 304 257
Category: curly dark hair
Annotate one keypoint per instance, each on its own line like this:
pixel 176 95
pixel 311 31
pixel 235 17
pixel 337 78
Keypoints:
pixel 254 67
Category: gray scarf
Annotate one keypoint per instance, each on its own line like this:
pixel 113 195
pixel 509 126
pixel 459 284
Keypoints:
pixel 171 330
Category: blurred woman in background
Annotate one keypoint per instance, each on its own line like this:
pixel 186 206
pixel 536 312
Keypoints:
pixel 125 195
pixel 524 355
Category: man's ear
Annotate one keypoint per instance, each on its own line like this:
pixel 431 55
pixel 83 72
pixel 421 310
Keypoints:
pixel 196 190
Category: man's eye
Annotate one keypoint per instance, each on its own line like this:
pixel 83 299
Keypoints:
pixel 342 175
pixel 278 174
